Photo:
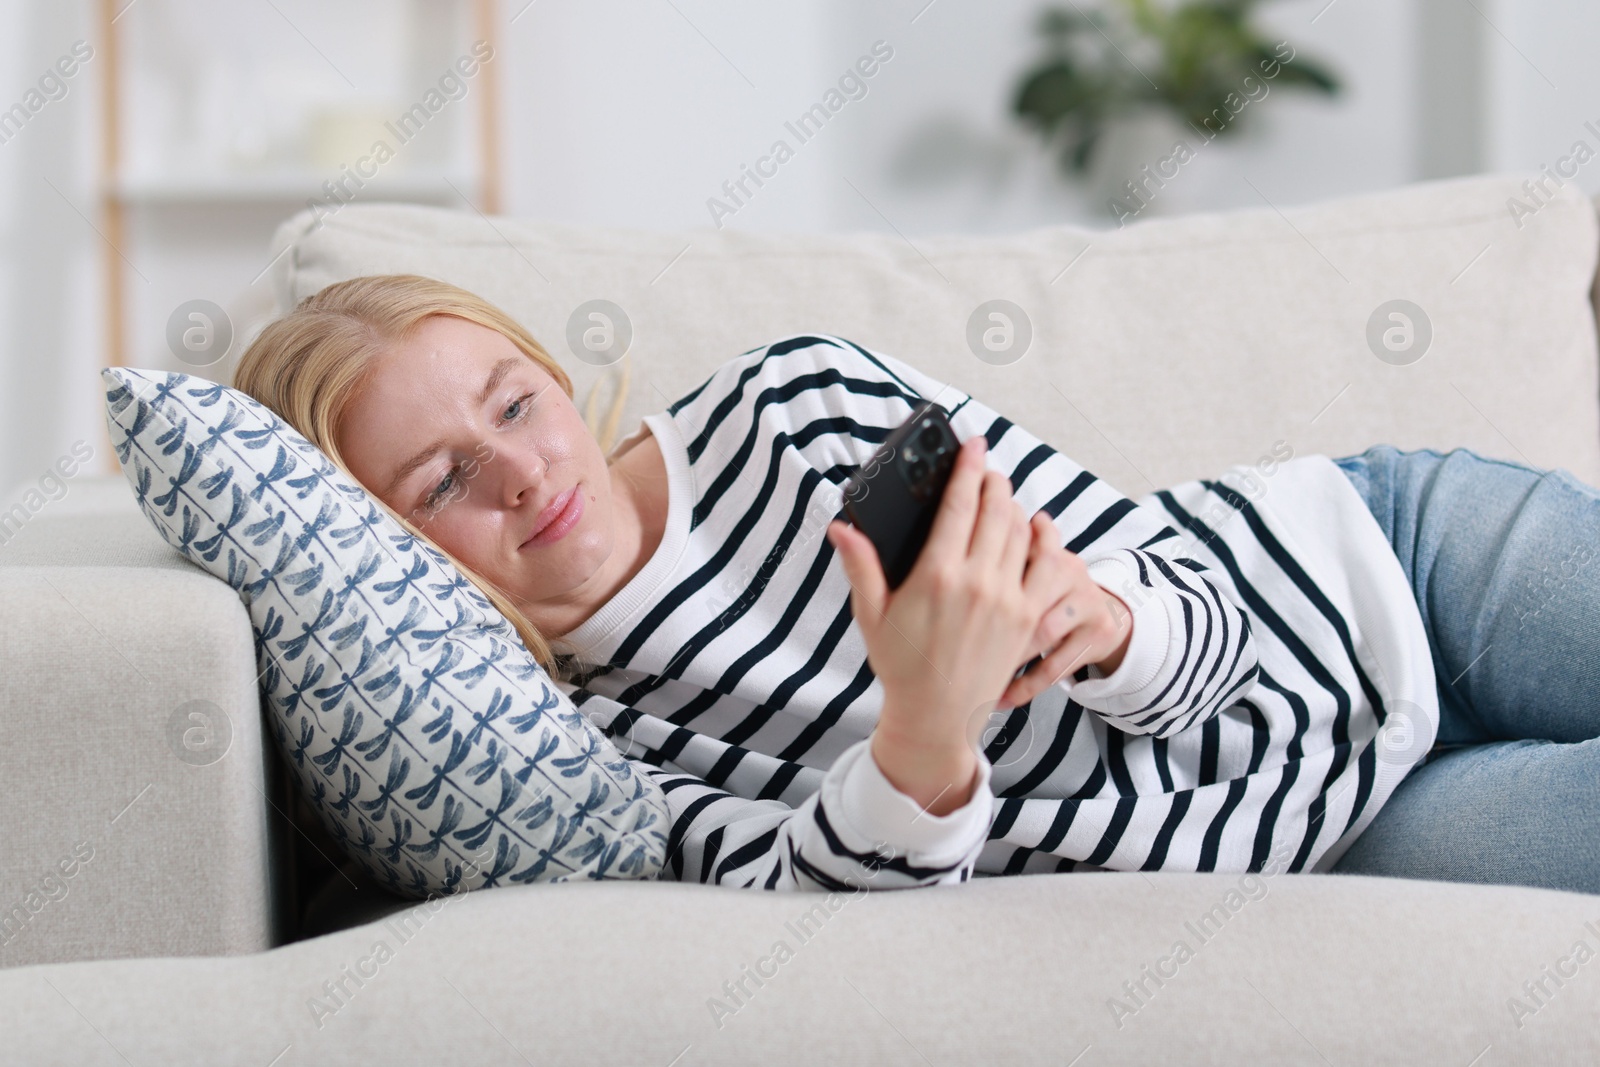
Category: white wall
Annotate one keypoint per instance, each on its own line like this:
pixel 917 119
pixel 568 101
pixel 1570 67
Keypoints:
pixel 633 113
pixel 49 252
pixel 1544 84
pixel 625 115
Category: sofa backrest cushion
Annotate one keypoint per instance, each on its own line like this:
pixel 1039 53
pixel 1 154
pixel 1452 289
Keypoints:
pixel 432 745
pixel 1159 352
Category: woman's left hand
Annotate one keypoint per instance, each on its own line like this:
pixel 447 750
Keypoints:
pixel 1086 623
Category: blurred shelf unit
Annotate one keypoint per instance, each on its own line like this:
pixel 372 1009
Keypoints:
pixel 244 110
pixel 288 187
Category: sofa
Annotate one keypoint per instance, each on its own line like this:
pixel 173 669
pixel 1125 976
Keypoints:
pixel 168 897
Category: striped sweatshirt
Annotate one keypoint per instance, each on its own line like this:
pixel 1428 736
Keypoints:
pixel 1276 687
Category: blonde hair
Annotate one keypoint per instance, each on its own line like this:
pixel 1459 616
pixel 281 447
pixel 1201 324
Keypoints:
pixel 307 367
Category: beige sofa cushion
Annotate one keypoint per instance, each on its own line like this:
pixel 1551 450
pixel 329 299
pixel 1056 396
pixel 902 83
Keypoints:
pixel 1161 352
pixel 117 838
pixel 1296 969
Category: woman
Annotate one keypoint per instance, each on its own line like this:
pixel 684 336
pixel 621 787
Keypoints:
pixel 1235 677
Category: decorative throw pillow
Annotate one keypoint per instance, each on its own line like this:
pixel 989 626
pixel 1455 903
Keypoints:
pixel 430 742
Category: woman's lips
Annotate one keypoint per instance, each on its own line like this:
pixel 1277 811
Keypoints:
pixel 568 510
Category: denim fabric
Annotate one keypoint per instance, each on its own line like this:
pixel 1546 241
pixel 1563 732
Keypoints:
pixel 1502 561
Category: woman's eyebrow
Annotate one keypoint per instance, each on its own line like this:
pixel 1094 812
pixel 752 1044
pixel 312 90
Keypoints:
pixel 496 375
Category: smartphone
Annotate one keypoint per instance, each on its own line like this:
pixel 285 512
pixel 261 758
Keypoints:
pixel 894 496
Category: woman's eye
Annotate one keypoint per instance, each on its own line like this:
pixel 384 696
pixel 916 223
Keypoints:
pixel 521 404
pixel 516 410
pixel 440 489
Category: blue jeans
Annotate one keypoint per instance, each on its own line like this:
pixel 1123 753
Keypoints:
pixel 1502 560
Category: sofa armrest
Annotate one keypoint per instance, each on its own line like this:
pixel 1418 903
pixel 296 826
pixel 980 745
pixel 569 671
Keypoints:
pixel 135 819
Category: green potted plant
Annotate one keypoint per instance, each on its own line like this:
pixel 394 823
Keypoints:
pixel 1203 63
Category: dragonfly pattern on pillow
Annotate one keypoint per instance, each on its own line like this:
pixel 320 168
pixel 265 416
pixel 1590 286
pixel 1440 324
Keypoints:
pixel 434 748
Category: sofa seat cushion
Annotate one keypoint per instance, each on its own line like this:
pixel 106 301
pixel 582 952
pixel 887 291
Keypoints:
pixel 1036 969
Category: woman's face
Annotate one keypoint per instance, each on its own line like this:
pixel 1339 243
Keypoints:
pixel 453 429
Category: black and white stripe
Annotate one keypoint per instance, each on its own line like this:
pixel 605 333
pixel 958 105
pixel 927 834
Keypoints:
pixel 1238 727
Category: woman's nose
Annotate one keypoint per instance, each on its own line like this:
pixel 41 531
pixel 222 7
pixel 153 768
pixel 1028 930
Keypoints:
pixel 523 473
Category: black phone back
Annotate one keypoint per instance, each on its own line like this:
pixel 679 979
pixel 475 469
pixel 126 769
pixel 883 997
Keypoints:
pixel 893 497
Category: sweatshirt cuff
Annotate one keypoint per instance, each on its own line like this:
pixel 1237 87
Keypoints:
pixel 880 813
pixel 1147 648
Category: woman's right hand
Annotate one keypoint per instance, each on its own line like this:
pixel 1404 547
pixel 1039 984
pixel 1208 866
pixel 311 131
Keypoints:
pixel 946 643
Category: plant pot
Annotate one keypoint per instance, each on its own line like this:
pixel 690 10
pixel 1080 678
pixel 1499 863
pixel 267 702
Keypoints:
pixel 1132 150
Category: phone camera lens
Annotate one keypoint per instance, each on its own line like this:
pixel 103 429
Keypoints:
pixel 930 438
pixel 917 469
